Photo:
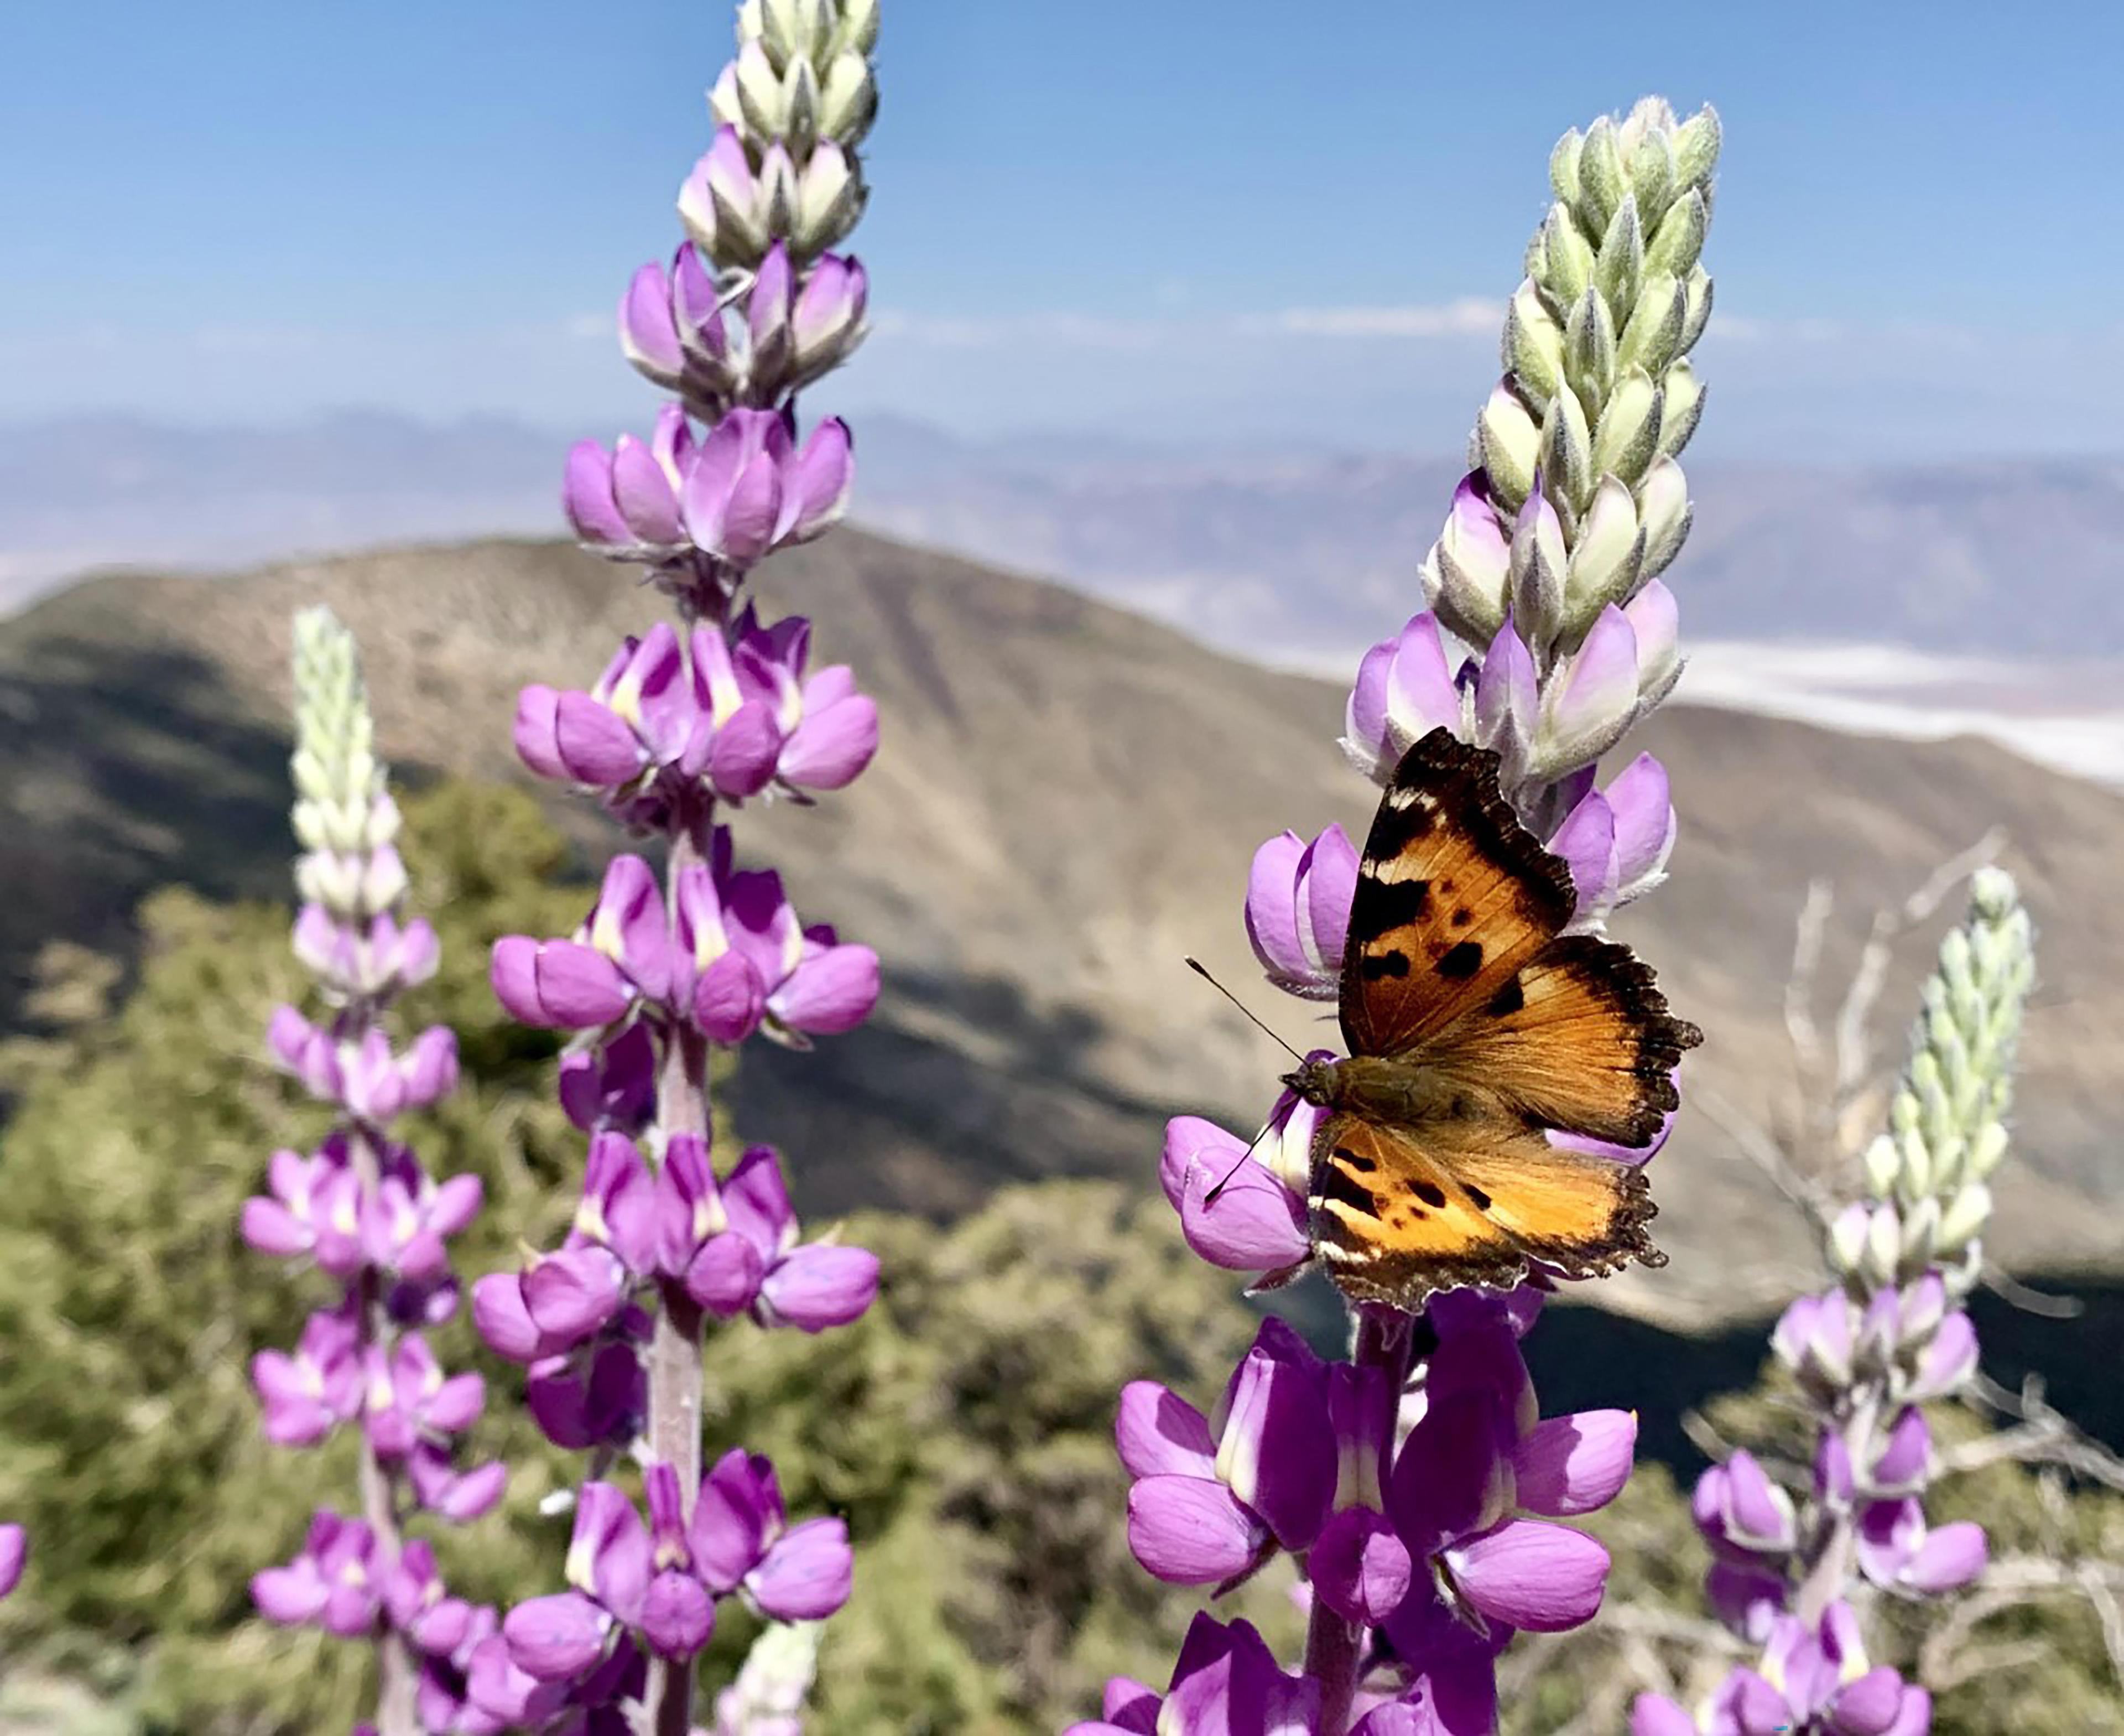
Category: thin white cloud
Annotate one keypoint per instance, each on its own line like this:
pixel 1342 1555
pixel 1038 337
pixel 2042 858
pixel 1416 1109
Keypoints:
pixel 1470 315
pixel 1074 331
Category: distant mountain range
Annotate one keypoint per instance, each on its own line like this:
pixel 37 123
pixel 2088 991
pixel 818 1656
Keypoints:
pixel 1296 555
pixel 1064 806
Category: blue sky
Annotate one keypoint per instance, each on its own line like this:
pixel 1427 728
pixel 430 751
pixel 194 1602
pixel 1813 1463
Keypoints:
pixel 1167 217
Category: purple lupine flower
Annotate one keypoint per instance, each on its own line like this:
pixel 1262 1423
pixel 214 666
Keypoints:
pixel 612 1085
pixel 409 1399
pixel 1743 1515
pixel 622 955
pixel 740 1540
pixel 748 489
pixel 1406 687
pixel 315 1209
pixel 1226 1679
pixel 755 1262
pixel 378 959
pixel 304 1396
pixel 1211 1505
pixel 1242 1207
pixel 624 503
pixel 671 328
pixel 564 1636
pixel 406 1223
pixel 334 1582
pixel 754 964
pixel 1811 1681
pixel 1898 1551
pixel 1298 910
pixel 14 1557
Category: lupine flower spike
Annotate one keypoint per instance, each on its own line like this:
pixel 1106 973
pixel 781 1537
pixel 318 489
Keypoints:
pixel 363 1211
pixel 1417 1486
pixel 1789 1570
pixel 688 724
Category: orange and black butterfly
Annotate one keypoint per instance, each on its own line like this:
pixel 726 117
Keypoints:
pixel 1473 1025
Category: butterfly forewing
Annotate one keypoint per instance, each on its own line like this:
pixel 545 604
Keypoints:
pixel 1453 895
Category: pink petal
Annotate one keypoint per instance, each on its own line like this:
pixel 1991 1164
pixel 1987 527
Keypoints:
pixel 1530 1574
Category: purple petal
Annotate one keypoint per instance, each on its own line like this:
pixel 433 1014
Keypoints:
pixel 1586 710
pixel 822 1285
pixel 1160 1434
pixel 553 1638
pixel 1187 1531
pixel 1574 1463
pixel 289 1595
pixel 729 998
pixel 1272 909
pixel 571 1294
pixel 1276 1448
pixel 14 1554
pixel 1359 1567
pixel 586 497
pixel 1255 1223
pixel 1868 1705
pixel 1643 807
pixel 1951 1556
pixel 829 993
pixel 1190 1141
pixel 677 1616
pixel 647 336
pixel 742 755
pixel 1654 1715
pixel 725 1276
pixel 832 744
pixel 643 493
pixel 807 1574
pixel 503 1322
pixel 592 746
pixel 1586 843
pixel 536 708
pixel 1530 1574
pixel 820 481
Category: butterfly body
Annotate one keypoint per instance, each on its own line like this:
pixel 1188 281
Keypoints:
pixel 1476 1027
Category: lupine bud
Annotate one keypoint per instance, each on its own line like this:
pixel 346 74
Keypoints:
pixel 1508 446
pixel 1603 565
pixel 1533 346
pixel 1536 571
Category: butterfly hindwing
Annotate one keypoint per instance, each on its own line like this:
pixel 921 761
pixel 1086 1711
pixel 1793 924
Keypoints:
pixel 1454 896
pixel 1399 1213
pixel 1578 1039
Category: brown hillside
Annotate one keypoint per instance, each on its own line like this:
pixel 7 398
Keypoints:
pixel 1064 806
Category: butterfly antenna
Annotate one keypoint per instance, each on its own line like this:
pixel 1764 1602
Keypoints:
pixel 1197 966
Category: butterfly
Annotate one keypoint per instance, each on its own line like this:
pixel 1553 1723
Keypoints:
pixel 1474 1025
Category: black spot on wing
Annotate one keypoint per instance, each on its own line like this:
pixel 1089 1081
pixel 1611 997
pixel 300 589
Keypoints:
pixel 1463 916
pixel 1377 965
pixel 1429 1193
pixel 1480 1200
pixel 1398 827
pixel 1337 1184
pixel 1393 904
pixel 1460 962
pixel 1507 1001
pixel 1356 1161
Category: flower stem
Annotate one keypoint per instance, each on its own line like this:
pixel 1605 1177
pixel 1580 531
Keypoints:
pixel 675 1350
pixel 397 1682
pixel 1828 1555
pixel 1334 1646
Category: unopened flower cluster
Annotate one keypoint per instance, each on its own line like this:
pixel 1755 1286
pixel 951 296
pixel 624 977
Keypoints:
pixel 1867 1355
pixel 361 1210
pixel 1417 1486
pixel 684 950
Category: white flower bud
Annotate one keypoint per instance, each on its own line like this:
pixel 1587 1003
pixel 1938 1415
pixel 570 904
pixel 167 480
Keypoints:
pixel 1620 267
pixel 1563 165
pixel 1681 403
pixel 1651 167
pixel 1846 1247
pixel 1988 1149
pixel 858 29
pixel 1677 243
pixel 1663 508
pixel 1509 444
pixel 1696 143
pixel 1883 1252
pixel 1533 345
pixel 831 200
pixel 1883 1166
pixel 1589 347
pixel 1566 257
pixel 1567 451
pixel 1965 1217
pixel 1605 559
pixel 1630 429
pixel 1697 315
pixel 1602 188
pixel 1652 338
pixel 847 100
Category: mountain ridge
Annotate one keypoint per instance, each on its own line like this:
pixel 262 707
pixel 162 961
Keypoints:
pixel 1064 807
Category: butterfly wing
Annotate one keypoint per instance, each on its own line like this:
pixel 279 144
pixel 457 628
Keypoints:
pixel 1579 1038
pixel 1457 963
pixel 1454 896
pixel 1399 1213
